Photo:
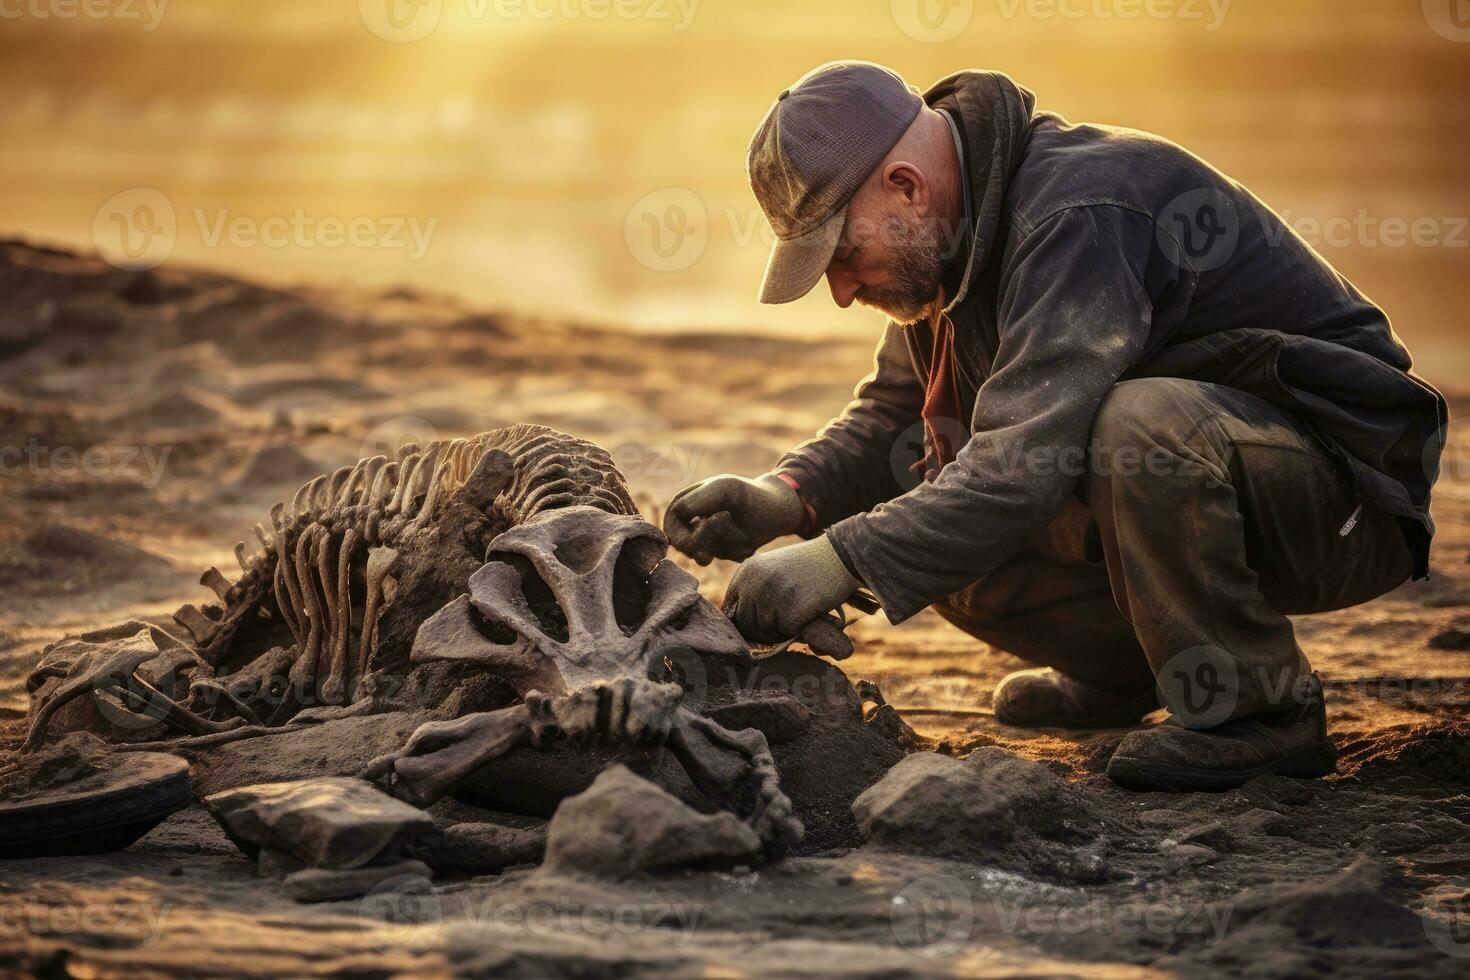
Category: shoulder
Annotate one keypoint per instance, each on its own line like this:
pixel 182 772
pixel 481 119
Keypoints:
pixel 1069 166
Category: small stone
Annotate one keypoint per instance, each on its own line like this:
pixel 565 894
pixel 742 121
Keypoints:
pixel 322 885
pixel 623 825
pixel 326 823
pixel 1212 835
pixel 482 848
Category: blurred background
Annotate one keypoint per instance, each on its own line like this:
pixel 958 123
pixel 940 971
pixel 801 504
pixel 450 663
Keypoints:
pixel 585 158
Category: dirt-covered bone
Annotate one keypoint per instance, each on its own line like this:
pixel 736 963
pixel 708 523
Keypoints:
pixel 516 556
pixel 107 669
pixel 578 608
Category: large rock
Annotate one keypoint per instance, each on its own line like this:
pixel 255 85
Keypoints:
pixel 624 825
pixel 993 808
pixel 325 823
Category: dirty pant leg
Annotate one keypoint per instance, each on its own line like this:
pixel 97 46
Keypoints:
pixel 1218 514
pixel 1052 606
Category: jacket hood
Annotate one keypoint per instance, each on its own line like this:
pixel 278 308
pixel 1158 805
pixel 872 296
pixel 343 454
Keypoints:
pixel 995 117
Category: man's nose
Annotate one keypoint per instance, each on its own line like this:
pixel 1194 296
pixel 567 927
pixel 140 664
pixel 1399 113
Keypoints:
pixel 844 286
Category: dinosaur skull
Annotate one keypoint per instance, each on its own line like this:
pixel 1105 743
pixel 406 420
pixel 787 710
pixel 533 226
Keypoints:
pixel 573 598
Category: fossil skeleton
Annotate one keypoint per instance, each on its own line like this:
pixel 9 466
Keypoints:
pixel 518 552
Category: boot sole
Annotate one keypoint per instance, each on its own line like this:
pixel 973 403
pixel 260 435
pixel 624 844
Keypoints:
pixel 1312 762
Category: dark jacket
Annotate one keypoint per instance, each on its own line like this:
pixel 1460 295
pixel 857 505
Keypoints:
pixel 1100 255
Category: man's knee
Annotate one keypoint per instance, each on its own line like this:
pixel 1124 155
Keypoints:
pixel 1147 411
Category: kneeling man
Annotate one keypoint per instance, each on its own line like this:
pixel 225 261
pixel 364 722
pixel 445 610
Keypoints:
pixel 1146 421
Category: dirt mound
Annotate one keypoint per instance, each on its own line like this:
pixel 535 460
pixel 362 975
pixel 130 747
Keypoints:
pixel 184 408
pixel 58 556
pixel 1417 760
pixel 276 465
pixel 1278 929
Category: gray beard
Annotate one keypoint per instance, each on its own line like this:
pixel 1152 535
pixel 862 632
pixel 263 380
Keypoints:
pixel 917 278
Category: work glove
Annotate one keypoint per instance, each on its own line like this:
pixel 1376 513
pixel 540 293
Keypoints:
pixel 775 594
pixel 731 517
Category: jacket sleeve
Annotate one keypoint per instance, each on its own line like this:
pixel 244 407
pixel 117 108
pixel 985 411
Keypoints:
pixel 1074 314
pixel 848 467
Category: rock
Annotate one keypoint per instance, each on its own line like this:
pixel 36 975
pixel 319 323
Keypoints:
pixel 1451 639
pixel 328 823
pixel 1212 835
pixel 321 885
pixel 73 798
pixel 993 808
pixel 624 825
pixel 482 848
pixel 334 748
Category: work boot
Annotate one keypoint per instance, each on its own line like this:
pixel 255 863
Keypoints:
pixel 1172 758
pixel 1048 698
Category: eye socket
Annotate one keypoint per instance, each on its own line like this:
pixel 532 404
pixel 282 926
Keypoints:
pixel 491 629
pixel 539 596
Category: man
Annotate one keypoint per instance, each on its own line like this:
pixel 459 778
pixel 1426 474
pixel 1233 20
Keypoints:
pixel 1155 422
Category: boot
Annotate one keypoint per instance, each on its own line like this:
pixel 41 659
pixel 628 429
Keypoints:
pixel 1048 698
pixel 1169 757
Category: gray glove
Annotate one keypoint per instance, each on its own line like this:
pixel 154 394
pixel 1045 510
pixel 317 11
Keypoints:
pixel 730 516
pixel 774 595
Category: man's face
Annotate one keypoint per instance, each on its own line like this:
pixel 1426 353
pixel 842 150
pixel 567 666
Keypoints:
pixel 889 258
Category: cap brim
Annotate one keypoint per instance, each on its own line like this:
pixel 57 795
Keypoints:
pixel 798 264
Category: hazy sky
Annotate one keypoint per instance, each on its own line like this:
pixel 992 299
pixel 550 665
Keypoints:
pixel 586 156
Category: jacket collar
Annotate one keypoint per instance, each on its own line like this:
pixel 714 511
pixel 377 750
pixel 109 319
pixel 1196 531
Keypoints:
pixel 995 117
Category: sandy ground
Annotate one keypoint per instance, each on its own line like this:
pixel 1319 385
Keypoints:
pixel 158 415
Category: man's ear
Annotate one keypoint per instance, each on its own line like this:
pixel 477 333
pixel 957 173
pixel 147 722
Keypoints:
pixel 908 181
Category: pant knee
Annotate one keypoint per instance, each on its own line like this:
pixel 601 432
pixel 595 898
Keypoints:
pixel 1155 435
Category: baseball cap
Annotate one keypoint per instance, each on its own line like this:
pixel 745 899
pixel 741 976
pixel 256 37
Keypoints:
pixel 819 142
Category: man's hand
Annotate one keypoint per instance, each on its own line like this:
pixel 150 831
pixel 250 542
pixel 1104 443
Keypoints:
pixel 730 517
pixel 774 595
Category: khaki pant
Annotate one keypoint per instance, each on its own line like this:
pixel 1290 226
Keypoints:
pixel 1209 515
